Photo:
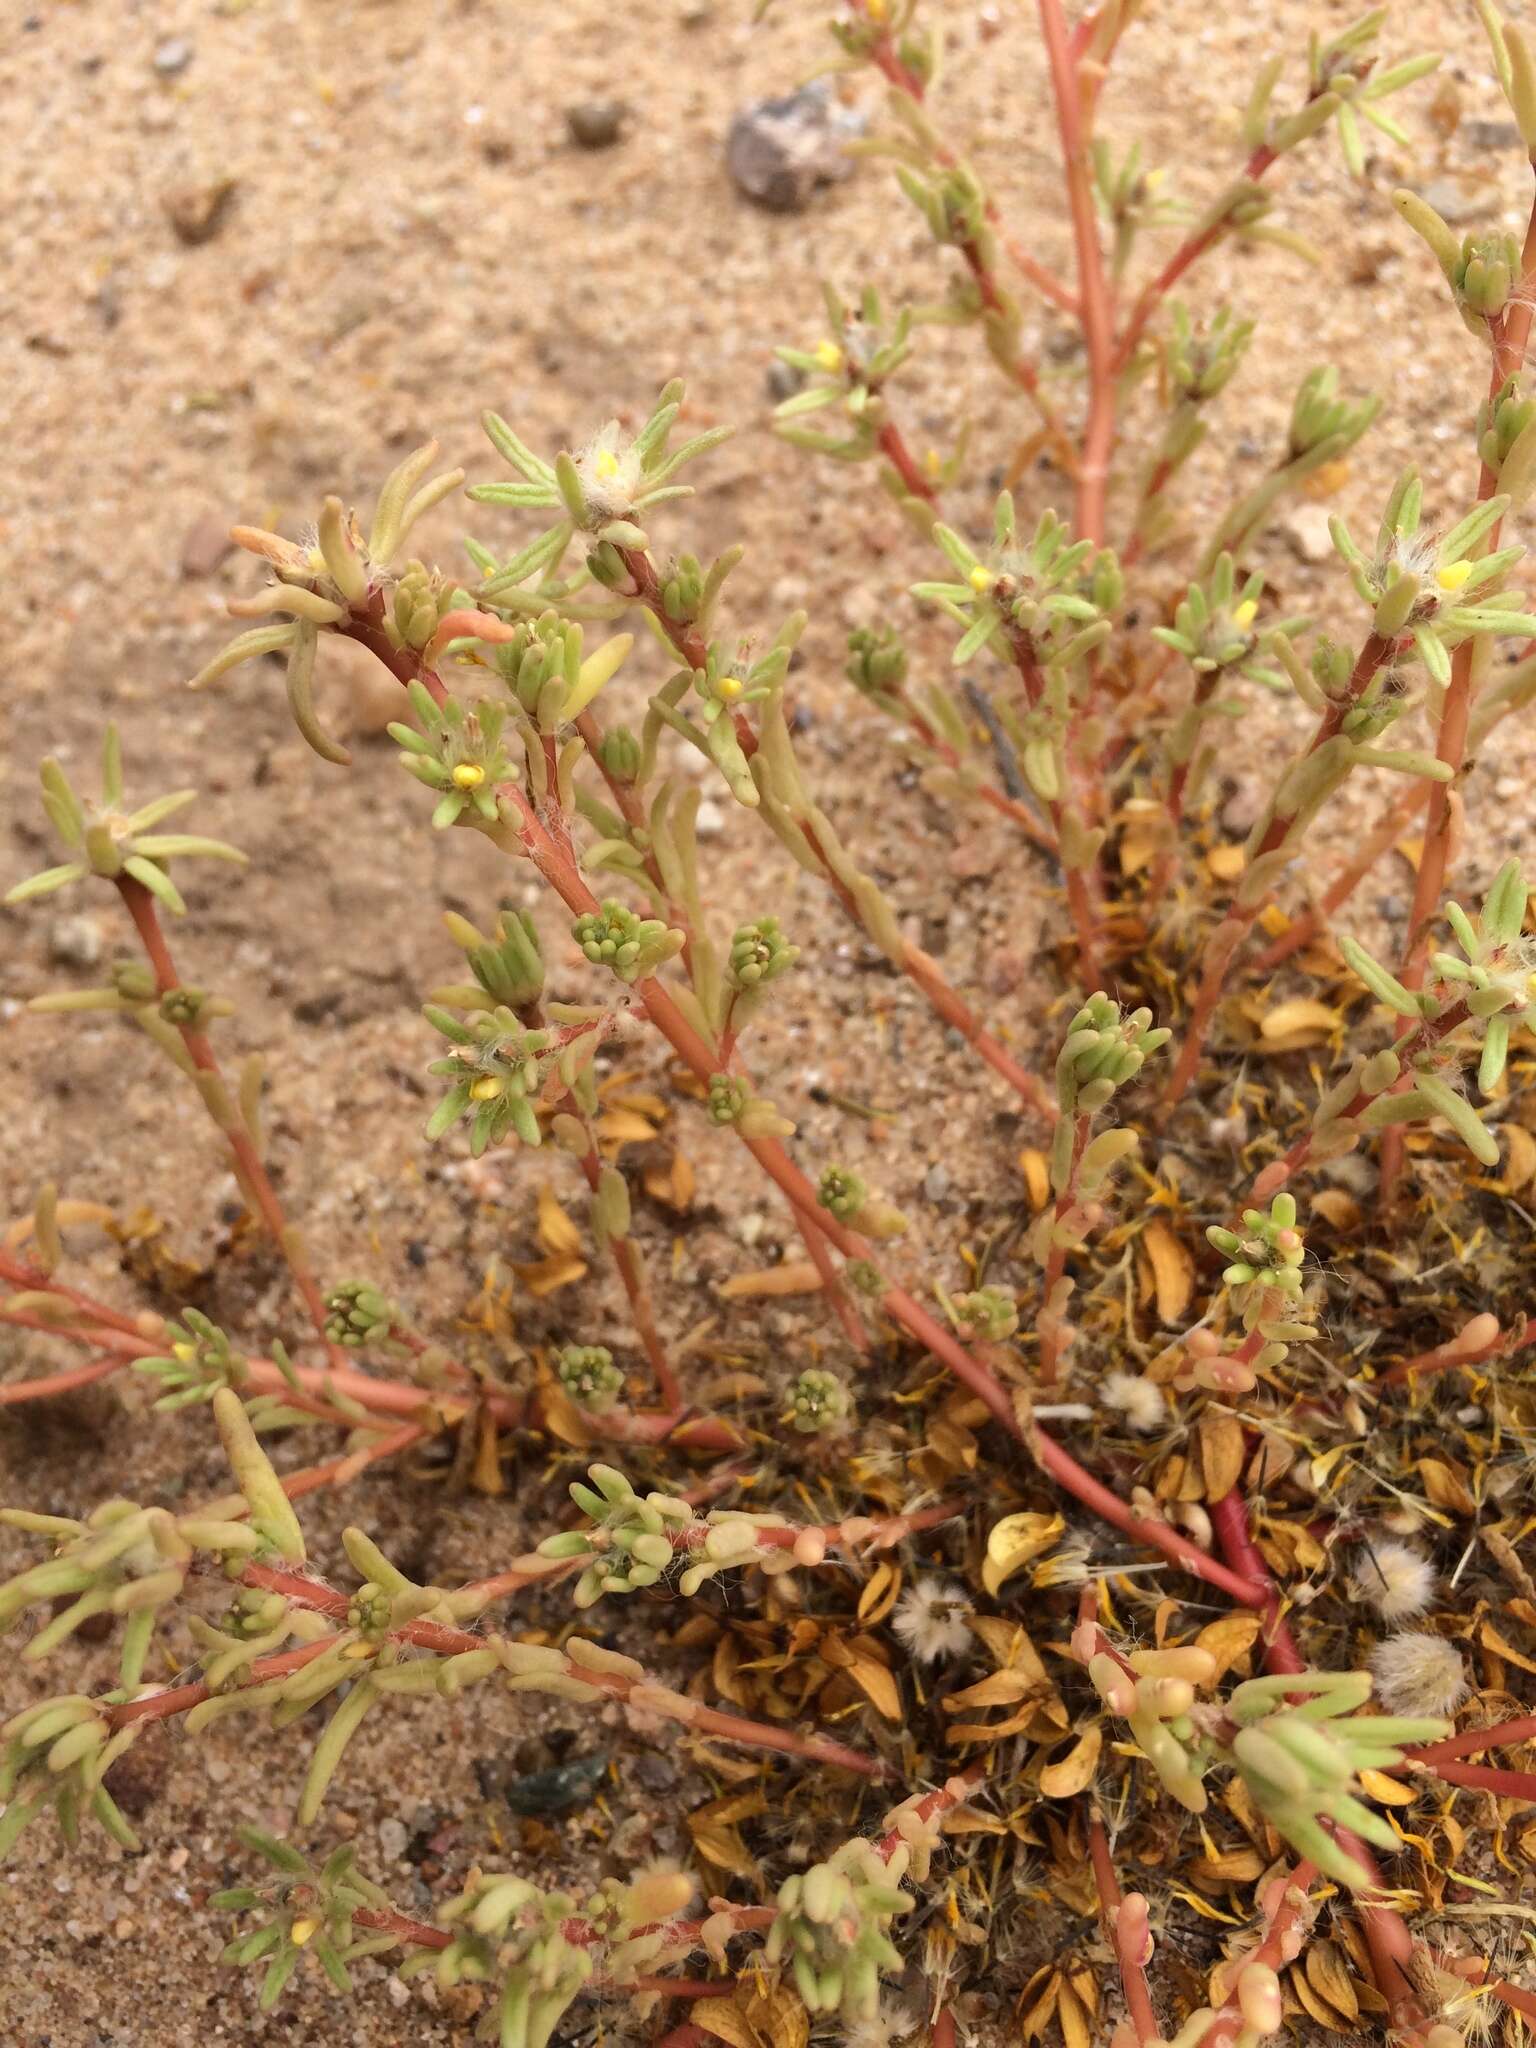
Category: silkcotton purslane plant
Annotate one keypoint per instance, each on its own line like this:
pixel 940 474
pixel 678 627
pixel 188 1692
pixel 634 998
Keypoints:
pixel 1188 1335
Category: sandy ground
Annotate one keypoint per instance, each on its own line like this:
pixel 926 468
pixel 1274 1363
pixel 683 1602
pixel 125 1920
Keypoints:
pixel 409 236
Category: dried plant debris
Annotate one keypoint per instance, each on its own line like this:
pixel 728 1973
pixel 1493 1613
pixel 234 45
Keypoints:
pixel 1121 1632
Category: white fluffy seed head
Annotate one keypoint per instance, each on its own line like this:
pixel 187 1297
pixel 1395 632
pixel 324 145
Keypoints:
pixel 930 1620
pixel 1137 1399
pixel 1417 1674
pixel 1394 1578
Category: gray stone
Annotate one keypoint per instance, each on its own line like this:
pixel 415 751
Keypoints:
pixel 393 1838
pixel 779 151
pixel 782 380
pixel 173 56
pixel 74 941
pixel 595 124
pixel 710 821
pixel 1490 134
pixel 1461 199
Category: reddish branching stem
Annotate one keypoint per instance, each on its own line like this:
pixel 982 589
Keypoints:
pixel 1125 1924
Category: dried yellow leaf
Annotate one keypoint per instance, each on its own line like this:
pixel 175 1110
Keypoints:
pixel 671 1182
pixel 1075 2031
pixel 1386 1791
pixel 1037 1177
pixel 878 1597
pixel 1077 1768
pixel 1014 1541
pixel 725 2020
pixel 1444 1487
pixel 547 1276
pixel 1222 1451
pixel 1226 863
pixel 794 1276
pixel 1329 1976
pixel 1519 1155
pixel 617 1127
pixel 556 1232
pixel 720 1844
pixel 1173 1271
pixel 1229 1638
pixel 877 1686
pixel 1303 1021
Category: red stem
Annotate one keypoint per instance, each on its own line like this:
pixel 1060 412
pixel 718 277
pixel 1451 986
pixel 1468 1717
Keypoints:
pixel 140 905
pixel 1093 290
pixel 1133 1975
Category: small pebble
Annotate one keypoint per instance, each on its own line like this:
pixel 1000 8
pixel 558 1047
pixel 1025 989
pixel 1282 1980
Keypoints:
pixel 936 1183
pixel 394 1838
pixel 204 545
pixel 782 380
pixel 710 821
pixel 197 212
pixel 74 941
pixel 779 151
pixel 596 124
pixel 1490 134
pixel 1306 532
pixel 1461 199
pixel 173 56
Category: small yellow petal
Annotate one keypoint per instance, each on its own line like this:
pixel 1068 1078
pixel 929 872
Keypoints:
pixel 730 687
pixel 829 355
pixel 1244 614
pixel 605 464
pixel 1453 575
pixel 980 579
pixel 468 775
pixel 486 1090
pixel 303 1931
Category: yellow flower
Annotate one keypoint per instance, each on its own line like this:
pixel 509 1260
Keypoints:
pixel 605 464
pixel 1244 614
pixel 468 775
pixel 980 579
pixel 303 1931
pixel 487 1089
pixel 1453 575
pixel 829 355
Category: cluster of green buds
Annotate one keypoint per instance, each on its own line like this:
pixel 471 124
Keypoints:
pixel 1214 626
pixel 339 579
pixel 629 945
pixel 103 839
pixel 123 1560
pixel 1132 198
pixel 301 1909
pixel 589 1376
pixel 831 1925
pixel 629 1540
pixel 508 969
pixel 759 954
pixel 847 1196
pixel 508 1932
pixel 546 672
pixel 987 1315
pixel 458 753
pixel 867 25
pixel 1104 1050
pixel 55 1754
pixel 877 666
pixel 1300 1763
pixel 689 592
pixel 602 492
pixel 725 687
pixel 1433 588
pixel 1344 86
pixel 820 1403
pixel 848 368
pixel 1501 420
pixel 200 1361
pixel 1267 1286
pixel 359 1315
pixel 253 1624
pixel 1482 270
pixel 1203 362
pixel 1487 983
pixel 496 1071
pixel 1052 589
